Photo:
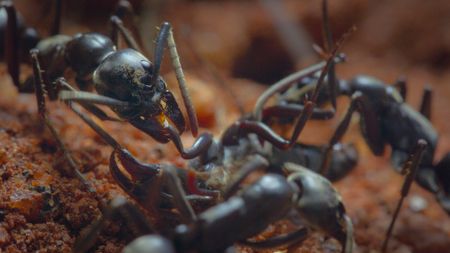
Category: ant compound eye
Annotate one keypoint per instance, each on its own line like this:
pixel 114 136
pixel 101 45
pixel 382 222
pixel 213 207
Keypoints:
pixel 147 66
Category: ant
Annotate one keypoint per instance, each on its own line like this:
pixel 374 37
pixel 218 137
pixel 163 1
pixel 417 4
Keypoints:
pixel 385 119
pixel 125 80
pixel 240 216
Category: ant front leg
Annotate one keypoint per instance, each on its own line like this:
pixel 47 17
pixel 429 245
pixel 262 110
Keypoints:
pixel 39 86
pixel 87 99
pixel 148 180
pixel 200 146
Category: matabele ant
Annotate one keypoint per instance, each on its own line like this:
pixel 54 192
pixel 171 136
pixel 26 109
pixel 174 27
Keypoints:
pixel 125 80
pixel 240 216
pixel 385 119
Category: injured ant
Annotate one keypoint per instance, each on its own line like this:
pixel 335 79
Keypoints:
pixel 240 216
pixel 237 146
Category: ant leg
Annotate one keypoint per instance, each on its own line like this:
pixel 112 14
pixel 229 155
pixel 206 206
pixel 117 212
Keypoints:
pixel 166 34
pixel 100 131
pixel 400 85
pixel 265 132
pixel 56 27
pixel 12 45
pixel 172 181
pixel 289 111
pixel 199 147
pixel 370 131
pixel 284 241
pixel 257 163
pixel 409 169
pixel 89 97
pixel 99 113
pixel 119 28
pixel 39 86
pixel 145 179
pixel 425 105
pixel 135 219
pixel 142 181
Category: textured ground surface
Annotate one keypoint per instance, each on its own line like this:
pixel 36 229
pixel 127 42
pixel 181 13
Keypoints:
pixel 43 209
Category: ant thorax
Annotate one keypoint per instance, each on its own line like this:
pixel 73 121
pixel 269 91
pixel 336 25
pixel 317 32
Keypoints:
pixel 232 158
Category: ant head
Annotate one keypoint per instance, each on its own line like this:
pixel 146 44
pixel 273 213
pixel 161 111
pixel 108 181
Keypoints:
pixel 127 75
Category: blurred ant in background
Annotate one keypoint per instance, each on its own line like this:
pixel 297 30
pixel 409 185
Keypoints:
pixel 385 119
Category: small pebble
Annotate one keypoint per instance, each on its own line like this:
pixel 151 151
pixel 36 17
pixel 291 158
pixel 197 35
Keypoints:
pixel 417 203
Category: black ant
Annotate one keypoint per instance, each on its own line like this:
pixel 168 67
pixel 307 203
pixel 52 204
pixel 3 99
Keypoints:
pixel 240 216
pixel 125 80
pixel 385 119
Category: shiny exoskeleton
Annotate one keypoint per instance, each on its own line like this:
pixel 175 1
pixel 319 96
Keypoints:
pixel 249 212
pixel 125 80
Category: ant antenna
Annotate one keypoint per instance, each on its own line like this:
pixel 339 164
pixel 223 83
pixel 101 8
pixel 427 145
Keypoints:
pixel 328 44
pixel 287 81
pixel 410 169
